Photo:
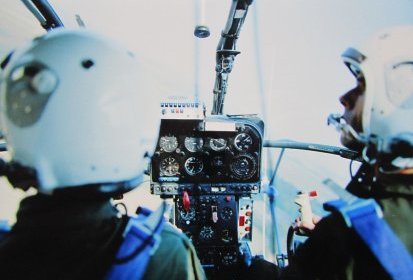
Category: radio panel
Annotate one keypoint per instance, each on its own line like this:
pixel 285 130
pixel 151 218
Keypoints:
pixel 216 224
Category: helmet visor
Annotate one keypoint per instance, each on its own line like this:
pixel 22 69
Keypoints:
pixel 353 58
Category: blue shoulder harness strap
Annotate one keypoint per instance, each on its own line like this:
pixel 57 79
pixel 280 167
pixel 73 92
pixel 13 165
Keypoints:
pixel 4 228
pixel 365 217
pixel 141 239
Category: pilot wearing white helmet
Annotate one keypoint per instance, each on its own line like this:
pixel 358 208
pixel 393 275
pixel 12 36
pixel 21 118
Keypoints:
pixel 354 243
pixel 80 116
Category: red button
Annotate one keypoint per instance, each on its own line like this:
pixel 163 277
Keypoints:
pixel 241 221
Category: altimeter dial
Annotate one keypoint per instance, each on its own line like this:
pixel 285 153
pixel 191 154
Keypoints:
pixel 169 167
pixel 243 167
pixel 218 144
pixel 227 213
pixel 193 144
pixel 206 233
pixel 193 165
pixel 187 215
pixel 168 143
pixel 243 142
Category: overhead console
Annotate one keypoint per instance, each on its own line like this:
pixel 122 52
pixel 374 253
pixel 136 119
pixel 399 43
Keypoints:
pixel 213 155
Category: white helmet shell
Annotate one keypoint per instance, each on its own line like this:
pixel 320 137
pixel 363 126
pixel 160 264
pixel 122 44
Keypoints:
pixel 79 109
pixel 386 62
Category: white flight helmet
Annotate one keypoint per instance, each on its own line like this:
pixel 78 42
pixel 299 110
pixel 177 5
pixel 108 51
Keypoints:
pixel 386 63
pixel 79 110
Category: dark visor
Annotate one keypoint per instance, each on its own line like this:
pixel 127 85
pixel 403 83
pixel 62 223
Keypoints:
pixel 354 55
pixel 352 58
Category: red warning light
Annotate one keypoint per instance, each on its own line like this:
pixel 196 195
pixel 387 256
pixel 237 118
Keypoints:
pixel 312 194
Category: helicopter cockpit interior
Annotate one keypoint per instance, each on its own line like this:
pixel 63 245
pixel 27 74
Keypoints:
pixel 233 190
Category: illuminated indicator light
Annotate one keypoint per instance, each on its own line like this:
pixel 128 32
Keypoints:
pixel 241 221
pixel 248 213
pixel 312 194
pixel 214 214
pixel 186 202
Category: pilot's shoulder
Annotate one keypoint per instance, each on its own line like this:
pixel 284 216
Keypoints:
pixel 175 258
pixel 171 233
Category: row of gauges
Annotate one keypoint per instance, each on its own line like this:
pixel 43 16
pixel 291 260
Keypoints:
pixel 207 233
pixel 169 143
pixel 242 166
pixel 170 166
pixel 189 216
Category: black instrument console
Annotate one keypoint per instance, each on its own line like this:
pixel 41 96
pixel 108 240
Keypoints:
pixel 210 166
pixel 216 155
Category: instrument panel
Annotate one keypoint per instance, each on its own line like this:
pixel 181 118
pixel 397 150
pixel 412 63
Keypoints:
pixel 211 167
pixel 219 154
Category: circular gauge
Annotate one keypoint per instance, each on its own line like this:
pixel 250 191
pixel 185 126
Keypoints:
pixel 217 144
pixel 168 143
pixel 242 142
pixel 229 258
pixel 193 166
pixel 187 215
pixel 169 167
pixel 193 144
pixel 206 233
pixel 226 236
pixel 226 213
pixel 243 167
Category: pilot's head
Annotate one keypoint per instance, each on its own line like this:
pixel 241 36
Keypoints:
pixel 380 107
pixel 78 111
